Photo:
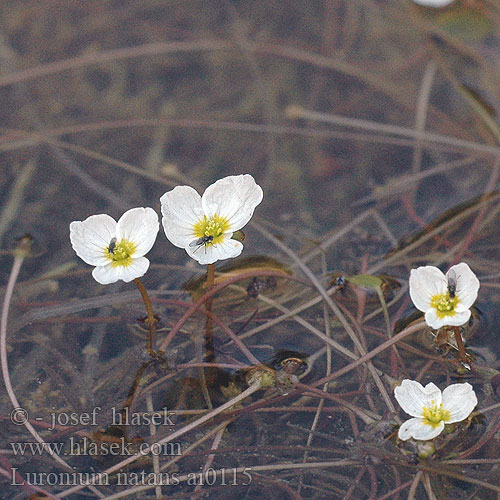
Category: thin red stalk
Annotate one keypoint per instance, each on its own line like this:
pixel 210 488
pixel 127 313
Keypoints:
pixel 477 221
pixel 395 491
pixel 151 320
pixel 234 338
pixel 357 479
pixel 460 345
pixel 216 289
pixel 167 439
pixel 354 424
pixel 424 369
pixel 110 56
pixel 208 463
pixel 438 469
pixel 361 413
pixel 209 323
pixel 373 482
pixel 363 359
pixel 414 485
pixel 243 348
pixel 495 426
pixel 332 305
pixel 397 478
pixel 410 210
pixel 16 267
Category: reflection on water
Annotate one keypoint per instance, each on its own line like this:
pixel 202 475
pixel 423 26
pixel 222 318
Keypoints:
pixel 371 127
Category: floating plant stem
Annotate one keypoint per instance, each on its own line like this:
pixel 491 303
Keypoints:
pixel 151 320
pixel 155 355
pixel 464 357
pixel 131 394
pixel 209 324
pixel 209 334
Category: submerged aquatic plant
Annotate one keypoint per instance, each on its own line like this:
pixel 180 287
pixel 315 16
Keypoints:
pixel 445 299
pixel 117 249
pixel 431 409
pixel 204 225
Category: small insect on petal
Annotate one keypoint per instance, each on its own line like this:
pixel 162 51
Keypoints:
pixel 203 241
pixel 112 245
pixel 452 283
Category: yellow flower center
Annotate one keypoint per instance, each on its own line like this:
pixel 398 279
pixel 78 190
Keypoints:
pixel 215 227
pixel 444 304
pixel 434 415
pixel 120 253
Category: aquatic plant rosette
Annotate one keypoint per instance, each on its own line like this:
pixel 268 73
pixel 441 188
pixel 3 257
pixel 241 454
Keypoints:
pixel 431 409
pixel 204 225
pixel 117 249
pixel 430 293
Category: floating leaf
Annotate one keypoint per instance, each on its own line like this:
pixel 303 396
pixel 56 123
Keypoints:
pixel 365 280
pixel 196 285
pixel 466 24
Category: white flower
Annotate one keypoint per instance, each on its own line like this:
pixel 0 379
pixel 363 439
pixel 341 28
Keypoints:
pixel 444 299
pixel 432 408
pixel 204 225
pixel 117 249
pixel 433 3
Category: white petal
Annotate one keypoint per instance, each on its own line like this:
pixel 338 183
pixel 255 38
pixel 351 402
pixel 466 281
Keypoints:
pixel 234 197
pixel 181 210
pixel 413 397
pixel 178 234
pixel 109 274
pixel 140 226
pixel 467 285
pixel 182 203
pixel 226 249
pixel 459 400
pixel 91 237
pixel 416 429
pixel 425 282
pixel 433 3
pixel 459 318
